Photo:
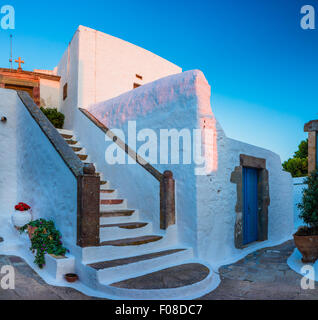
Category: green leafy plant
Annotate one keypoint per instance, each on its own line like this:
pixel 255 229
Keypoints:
pixel 45 239
pixel 298 165
pixel 302 152
pixel 309 204
pixel 56 118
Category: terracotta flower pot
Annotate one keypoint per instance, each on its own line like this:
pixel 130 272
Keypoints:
pixel 31 231
pixel 71 277
pixel 308 247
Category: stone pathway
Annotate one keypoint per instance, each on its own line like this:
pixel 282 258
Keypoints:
pixel 262 275
pixel 30 286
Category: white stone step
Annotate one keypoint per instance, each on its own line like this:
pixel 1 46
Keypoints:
pixel 102 253
pixel 108 196
pixel 108 207
pixel 89 277
pixel 131 270
pixel 63 131
pixel 82 151
pixel 106 185
pixel 117 232
pixel 122 219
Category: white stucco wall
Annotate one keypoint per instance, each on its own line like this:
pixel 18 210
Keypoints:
pixel 32 171
pixel 98 67
pixel 217 198
pixel 50 93
pixel 44 180
pixel 205 204
pixel 133 182
pixel 8 156
pixel 68 70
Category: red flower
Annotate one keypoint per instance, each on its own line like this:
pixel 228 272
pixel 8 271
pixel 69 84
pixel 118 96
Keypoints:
pixel 22 207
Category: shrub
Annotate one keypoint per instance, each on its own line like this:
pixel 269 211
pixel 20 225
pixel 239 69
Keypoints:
pixel 56 118
pixel 45 239
pixel 297 167
pixel 302 151
pixel 309 205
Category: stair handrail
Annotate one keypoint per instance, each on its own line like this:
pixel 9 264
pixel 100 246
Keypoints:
pixel 166 180
pixel 88 182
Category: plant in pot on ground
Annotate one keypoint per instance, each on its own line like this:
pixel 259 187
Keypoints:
pixel 306 238
pixel 22 215
pixel 44 239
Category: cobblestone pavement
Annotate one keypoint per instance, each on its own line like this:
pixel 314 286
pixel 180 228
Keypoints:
pixel 262 275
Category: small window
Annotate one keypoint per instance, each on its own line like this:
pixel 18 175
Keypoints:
pixel 136 85
pixel 139 76
pixel 65 91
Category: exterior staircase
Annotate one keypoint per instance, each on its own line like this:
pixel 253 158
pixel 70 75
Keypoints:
pixel 130 250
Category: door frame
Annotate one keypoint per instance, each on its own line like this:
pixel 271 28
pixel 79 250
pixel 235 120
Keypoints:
pixel 263 198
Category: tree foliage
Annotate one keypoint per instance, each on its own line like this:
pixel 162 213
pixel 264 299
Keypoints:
pixel 298 165
pixel 302 151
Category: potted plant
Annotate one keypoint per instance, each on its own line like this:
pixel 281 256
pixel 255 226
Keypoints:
pixel 44 239
pixel 71 277
pixel 22 215
pixel 306 238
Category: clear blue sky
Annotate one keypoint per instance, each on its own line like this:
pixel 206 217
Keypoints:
pixel 262 67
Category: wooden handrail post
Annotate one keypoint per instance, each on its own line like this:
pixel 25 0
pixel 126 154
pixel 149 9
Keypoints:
pixel 167 201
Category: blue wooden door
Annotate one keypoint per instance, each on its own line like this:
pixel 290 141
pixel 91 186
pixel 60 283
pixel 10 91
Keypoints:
pixel 250 205
pixel 316 150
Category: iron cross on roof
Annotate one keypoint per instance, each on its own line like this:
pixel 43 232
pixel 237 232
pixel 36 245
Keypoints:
pixel 19 61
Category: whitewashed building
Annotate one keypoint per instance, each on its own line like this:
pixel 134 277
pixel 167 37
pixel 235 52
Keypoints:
pixel 124 221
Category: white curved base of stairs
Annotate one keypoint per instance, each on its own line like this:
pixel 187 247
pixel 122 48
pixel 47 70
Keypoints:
pixel 193 291
pixel 187 292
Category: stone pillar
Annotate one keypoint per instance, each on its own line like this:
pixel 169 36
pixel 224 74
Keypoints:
pixel 312 152
pixel 167 201
pixel 88 210
pixel 312 129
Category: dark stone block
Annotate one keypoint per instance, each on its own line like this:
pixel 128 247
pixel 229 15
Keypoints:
pixel 88 215
pixel 311 126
